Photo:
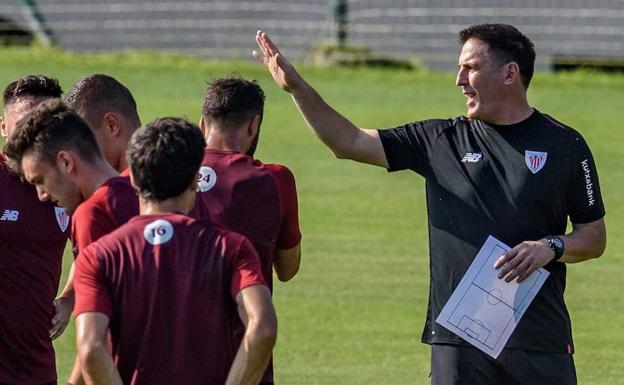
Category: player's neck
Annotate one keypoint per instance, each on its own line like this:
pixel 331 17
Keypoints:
pixel 182 203
pixel 122 165
pixel 223 141
pixel 94 176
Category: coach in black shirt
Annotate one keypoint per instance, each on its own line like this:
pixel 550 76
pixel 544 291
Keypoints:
pixel 505 170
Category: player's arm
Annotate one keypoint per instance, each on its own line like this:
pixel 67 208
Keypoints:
pixel 63 307
pixel 93 308
pixel 346 140
pixel 92 344
pixel 287 256
pixel 585 241
pixel 286 263
pixel 256 311
pixel 88 225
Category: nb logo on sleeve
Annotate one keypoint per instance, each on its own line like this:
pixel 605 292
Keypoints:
pixel 472 157
pixel 10 215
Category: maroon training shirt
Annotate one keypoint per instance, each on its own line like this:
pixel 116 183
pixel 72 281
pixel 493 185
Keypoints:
pixel 258 201
pixel 289 233
pixel 168 285
pixel 255 200
pixel 32 240
pixel 110 206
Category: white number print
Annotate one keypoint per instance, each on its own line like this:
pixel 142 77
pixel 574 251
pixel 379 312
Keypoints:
pixel 206 179
pixel 158 232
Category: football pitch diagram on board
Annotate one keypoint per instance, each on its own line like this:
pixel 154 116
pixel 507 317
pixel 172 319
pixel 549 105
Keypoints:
pixel 484 310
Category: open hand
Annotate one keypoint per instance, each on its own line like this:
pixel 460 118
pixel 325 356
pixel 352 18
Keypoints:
pixel 284 74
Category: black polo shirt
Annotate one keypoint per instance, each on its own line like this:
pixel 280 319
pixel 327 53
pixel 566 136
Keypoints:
pixel 517 182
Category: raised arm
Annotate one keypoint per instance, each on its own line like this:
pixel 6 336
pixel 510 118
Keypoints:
pixel 256 311
pixel 345 139
pixel 92 343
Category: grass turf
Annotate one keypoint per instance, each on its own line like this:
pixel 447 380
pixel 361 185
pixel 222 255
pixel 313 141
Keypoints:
pixel 354 313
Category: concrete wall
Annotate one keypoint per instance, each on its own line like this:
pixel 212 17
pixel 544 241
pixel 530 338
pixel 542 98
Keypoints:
pixel 405 28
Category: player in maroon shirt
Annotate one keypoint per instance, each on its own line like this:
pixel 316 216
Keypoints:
pixel 169 287
pixel 111 111
pixel 241 193
pixel 32 238
pixel 58 154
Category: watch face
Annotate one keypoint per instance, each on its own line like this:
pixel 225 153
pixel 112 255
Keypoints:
pixel 557 242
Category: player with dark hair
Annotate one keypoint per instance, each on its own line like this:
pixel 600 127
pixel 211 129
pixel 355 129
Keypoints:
pixel 241 193
pixel 505 170
pixel 110 110
pixel 58 153
pixel 33 236
pixel 23 94
pixel 167 286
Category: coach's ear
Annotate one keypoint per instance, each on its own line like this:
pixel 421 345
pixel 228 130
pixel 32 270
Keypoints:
pixel 512 73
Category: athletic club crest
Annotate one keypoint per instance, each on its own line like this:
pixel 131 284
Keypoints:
pixel 61 218
pixel 535 160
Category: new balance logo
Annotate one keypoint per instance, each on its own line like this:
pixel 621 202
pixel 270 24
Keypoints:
pixel 9 215
pixel 472 157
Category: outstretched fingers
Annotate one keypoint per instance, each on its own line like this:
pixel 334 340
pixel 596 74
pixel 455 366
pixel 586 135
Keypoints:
pixel 261 56
pixel 262 44
pixel 269 49
pixel 270 46
pixel 282 71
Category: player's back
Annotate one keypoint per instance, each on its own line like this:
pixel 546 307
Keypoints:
pixel 240 194
pixel 172 282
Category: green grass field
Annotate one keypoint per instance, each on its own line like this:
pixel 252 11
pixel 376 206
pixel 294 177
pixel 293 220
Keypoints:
pixel 355 312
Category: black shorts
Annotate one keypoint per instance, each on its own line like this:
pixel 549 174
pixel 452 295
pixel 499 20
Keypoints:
pixel 455 365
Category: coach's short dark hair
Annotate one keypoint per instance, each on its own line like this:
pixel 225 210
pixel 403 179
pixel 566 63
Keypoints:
pixel 48 128
pixel 507 44
pixel 164 156
pixel 232 101
pixel 97 94
pixel 32 86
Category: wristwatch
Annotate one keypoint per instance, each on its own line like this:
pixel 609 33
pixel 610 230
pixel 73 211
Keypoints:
pixel 557 245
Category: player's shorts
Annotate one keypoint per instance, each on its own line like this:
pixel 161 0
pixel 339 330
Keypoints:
pixel 455 365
